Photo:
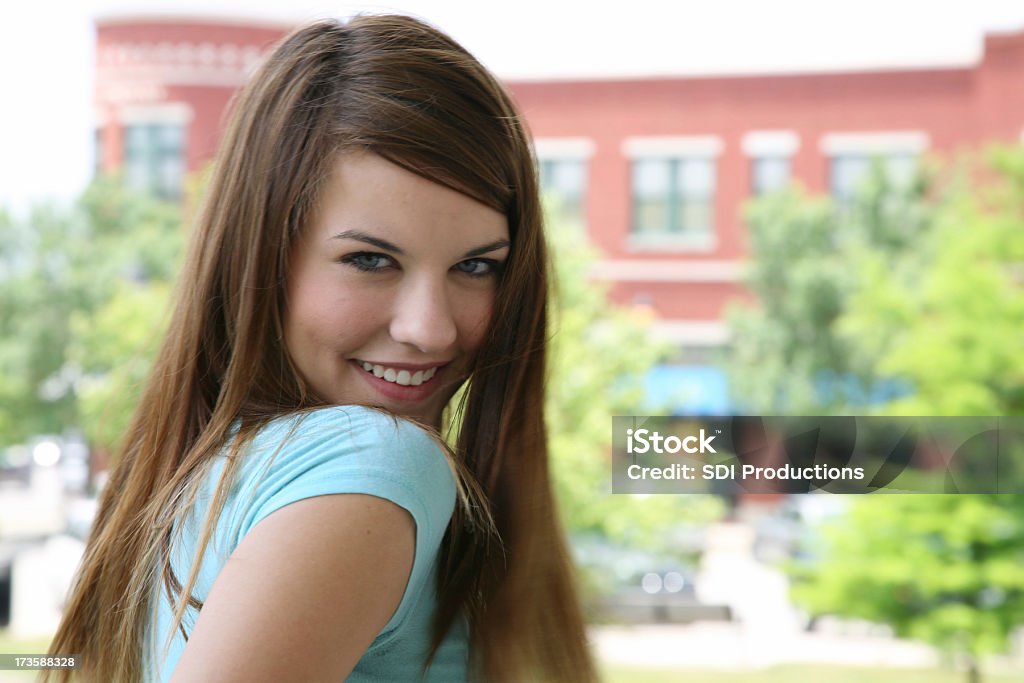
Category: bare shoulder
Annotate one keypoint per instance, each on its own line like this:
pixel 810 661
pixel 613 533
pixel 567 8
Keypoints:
pixel 304 594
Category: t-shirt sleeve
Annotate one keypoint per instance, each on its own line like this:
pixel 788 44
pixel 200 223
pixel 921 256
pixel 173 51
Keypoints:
pixel 350 449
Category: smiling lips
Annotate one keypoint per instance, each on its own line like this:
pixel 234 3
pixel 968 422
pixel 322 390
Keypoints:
pixel 401 377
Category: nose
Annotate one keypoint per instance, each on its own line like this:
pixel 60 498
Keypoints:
pixel 423 316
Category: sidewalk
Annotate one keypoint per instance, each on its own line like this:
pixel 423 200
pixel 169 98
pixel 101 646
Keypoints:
pixel 711 645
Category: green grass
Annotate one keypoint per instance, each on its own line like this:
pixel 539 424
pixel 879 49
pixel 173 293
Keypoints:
pixel 797 674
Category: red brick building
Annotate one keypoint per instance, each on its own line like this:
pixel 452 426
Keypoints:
pixel 162 89
pixel 657 169
pixel 667 164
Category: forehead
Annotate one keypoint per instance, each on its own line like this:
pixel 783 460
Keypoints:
pixel 364 191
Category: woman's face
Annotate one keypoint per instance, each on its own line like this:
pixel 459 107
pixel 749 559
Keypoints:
pixel 391 287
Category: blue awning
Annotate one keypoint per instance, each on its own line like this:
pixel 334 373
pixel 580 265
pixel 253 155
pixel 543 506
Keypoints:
pixel 687 390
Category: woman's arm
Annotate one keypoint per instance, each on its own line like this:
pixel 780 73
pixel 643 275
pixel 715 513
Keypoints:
pixel 304 594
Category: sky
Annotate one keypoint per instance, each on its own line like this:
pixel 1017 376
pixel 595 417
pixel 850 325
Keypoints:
pixel 47 52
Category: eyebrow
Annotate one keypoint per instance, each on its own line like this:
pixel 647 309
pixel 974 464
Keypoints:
pixel 360 236
pixel 493 246
pixel 368 239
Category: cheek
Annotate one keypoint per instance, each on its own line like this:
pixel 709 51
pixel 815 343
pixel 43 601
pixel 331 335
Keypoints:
pixel 322 321
pixel 342 322
pixel 474 318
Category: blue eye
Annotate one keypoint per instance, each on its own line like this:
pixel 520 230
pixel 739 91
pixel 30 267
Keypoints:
pixel 368 261
pixel 479 267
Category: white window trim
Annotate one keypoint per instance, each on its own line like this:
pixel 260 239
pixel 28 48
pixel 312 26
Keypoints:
pixel 163 113
pixel 671 242
pixel 676 147
pixel 672 146
pixel 882 142
pixel 571 149
pixel 691 332
pixel 667 270
pixel 770 143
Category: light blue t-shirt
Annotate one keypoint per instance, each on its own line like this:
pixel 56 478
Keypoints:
pixel 345 449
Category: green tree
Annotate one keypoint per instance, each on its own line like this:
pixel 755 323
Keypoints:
pixel 786 355
pixel 944 569
pixel 947 318
pixel 114 345
pixel 61 269
pixel 943 318
pixel 600 354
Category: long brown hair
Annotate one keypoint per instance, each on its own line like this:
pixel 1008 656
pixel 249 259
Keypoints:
pixel 399 88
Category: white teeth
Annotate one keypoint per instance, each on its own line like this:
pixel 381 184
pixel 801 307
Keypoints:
pixel 402 377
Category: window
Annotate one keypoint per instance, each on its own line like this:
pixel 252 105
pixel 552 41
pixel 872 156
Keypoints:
pixel 565 180
pixel 672 183
pixel 673 198
pixel 848 172
pixel 770 153
pixel 155 157
pixel 851 156
pixel 563 169
pixel 770 174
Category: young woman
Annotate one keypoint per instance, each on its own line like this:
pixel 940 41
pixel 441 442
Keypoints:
pixel 284 507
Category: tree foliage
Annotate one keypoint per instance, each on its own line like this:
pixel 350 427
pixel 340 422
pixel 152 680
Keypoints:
pixel 600 354
pixel 64 274
pixel 944 569
pixel 947 318
pixel 787 355
pixel 921 288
